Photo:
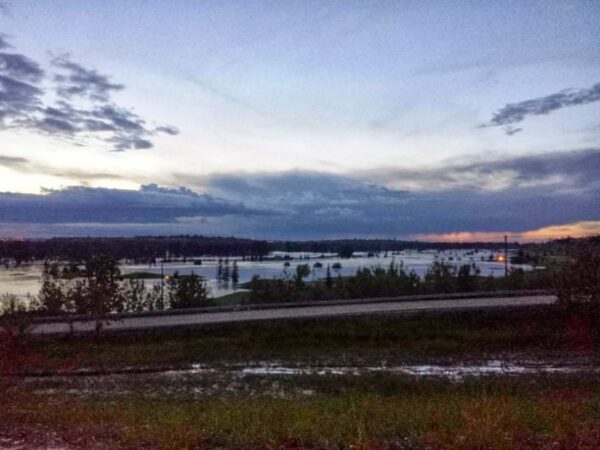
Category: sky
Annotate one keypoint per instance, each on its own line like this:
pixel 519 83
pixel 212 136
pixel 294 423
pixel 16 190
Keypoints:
pixel 433 120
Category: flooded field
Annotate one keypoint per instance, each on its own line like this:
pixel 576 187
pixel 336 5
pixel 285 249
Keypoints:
pixel 270 377
pixel 26 280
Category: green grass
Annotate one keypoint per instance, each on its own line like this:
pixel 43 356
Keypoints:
pixel 370 411
pixel 141 276
pixel 533 332
pixel 359 412
pixel 235 298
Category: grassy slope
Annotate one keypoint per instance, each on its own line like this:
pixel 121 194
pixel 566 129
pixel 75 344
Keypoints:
pixel 343 412
pixel 363 412
pixel 531 332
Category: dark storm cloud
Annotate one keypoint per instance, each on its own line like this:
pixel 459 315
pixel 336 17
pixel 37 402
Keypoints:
pixel 149 204
pixel 299 205
pixel 517 112
pixel 120 119
pixel 317 205
pixel 20 67
pixel 80 81
pixel 94 116
pixel 19 95
pixel 579 168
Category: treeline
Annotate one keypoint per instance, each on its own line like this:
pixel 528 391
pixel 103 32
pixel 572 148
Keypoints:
pixel 149 248
pixel 390 281
pixel 137 249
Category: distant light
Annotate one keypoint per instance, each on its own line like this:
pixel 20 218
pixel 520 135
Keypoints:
pixel 501 258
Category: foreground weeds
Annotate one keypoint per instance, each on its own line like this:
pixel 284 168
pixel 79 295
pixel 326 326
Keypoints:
pixel 477 414
pixel 364 411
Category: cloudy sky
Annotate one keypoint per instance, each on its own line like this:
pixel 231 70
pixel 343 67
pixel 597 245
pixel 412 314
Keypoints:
pixel 300 119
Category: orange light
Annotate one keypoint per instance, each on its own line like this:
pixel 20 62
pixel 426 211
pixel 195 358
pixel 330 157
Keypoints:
pixel 501 258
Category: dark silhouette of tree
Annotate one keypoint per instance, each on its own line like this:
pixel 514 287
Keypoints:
pixel 226 274
pixel 345 251
pixel 467 278
pixel 102 289
pixel 220 270
pixel 235 274
pixel 302 271
pixel 578 282
pixel 328 279
pixel 15 317
pixel 52 295
pixel 189 291
pixel 439 278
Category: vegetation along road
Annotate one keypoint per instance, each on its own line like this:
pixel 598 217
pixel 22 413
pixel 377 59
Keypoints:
pixel 313 311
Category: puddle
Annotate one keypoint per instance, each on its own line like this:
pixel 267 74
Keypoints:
pixel 265 377
pixel 266 369
pixel 493 367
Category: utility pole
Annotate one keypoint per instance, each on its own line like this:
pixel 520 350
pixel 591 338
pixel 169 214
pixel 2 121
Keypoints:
pixel 162 281
pixel 505 255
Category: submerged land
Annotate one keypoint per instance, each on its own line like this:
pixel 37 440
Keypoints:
pixel 512 376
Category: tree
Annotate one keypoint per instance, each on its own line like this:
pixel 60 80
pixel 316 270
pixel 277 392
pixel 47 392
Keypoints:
pixel 225 272
pixel 578 282
pixel 466 279
pixel 16 317
pixel 345 251
pixel 52 297
pixel 220 270
pixel 235 274
pixel 188 291
pixel 439 277
pixel 99 292
pixel 154 300
pixel 328 279
pixel 302 271
pixel 134 295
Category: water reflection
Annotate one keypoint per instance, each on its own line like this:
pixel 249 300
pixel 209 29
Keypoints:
pixel 27 279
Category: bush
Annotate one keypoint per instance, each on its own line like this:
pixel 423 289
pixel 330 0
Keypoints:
pixel 15 316
pixel 188 291
pixel 578 282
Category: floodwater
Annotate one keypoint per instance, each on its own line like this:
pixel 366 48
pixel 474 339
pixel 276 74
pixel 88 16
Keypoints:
pixel 456 372
pixel 27 279
pixel 199 374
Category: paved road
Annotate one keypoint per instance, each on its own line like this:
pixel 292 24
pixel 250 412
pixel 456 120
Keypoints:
pixel 149 322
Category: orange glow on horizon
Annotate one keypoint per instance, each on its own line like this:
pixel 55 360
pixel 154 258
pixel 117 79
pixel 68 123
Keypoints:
pixel 575 230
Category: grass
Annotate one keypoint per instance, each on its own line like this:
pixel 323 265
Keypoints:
pixel 141 276
pixel 370 411
pixel 534 332
pixel 235 298
pixel 365 413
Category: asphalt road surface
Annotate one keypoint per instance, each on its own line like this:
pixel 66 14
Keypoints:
pixel 196 318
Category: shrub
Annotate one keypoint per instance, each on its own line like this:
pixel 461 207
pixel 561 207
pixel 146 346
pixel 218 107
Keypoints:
pixel 188 291
pixel 578 282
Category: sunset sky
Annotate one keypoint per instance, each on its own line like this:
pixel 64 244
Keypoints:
pixel 300 119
